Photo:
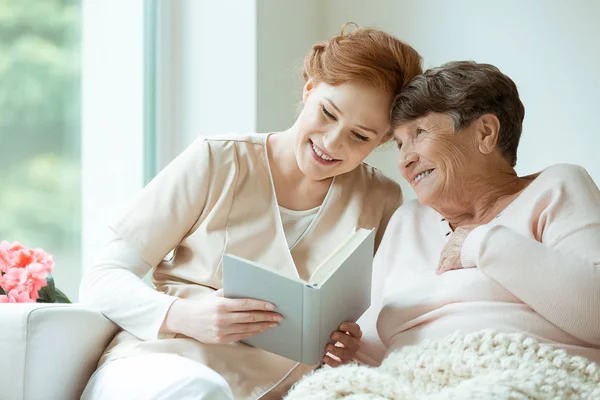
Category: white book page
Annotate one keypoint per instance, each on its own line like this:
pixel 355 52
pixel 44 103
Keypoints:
pixel 337 257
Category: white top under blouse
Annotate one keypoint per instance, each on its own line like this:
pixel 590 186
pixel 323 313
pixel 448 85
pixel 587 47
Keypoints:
pixel 295 223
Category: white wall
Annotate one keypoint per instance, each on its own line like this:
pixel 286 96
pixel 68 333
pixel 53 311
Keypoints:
pixel 112 122
pixel 231 66
pixel 286 31
pixel 548 47
pixel 250 77
pixel 210 68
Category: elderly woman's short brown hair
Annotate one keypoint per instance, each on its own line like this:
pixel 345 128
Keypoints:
pixel 465 90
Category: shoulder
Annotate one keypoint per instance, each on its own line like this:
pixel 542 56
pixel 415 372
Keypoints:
pixel 249 139
pixel 410 222
pixel 571 178
pixel 230 141
pixel 410 219
pixel 374 179
pixel 219 148
pixel 567 173
pixel 219 153
pixel 414 212
pixel 377 188
pixel 564 192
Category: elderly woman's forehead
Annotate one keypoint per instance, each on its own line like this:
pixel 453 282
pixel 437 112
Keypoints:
pixel 405 128
pixel 436 118
pixel 430 119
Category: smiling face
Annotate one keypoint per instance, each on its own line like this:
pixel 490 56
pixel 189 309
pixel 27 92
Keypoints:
pixel 339 126
pixel 434 159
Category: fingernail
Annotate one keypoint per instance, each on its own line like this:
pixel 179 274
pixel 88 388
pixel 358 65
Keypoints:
pixel 344 327
pixel 278 318
pixel 273 324
pixel 270 307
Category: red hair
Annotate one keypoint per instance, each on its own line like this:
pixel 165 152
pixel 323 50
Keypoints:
pixel 368 55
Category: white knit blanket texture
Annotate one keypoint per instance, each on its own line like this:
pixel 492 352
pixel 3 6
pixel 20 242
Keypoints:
pixel 482 365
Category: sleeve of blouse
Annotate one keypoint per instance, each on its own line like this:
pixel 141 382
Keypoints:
pixel 154 223
pixel 558 277
pixel 114 286
pixel 165 211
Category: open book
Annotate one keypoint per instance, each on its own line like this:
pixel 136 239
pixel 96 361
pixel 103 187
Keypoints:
pixel 339 291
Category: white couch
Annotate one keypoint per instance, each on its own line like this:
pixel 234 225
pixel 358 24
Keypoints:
pixel 49 351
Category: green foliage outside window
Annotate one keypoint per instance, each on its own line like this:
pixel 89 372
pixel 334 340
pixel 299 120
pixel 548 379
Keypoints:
pixel 40 135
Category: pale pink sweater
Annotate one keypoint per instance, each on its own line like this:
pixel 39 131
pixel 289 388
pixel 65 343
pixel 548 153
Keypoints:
pixel 535 269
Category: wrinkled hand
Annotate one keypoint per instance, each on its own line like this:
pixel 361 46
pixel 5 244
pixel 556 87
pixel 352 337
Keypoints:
pixel 450 257
pixel 347 344
pixel 217 320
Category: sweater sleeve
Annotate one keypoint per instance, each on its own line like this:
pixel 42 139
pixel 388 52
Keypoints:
pixel 153 224
pixel 114 286
pixel 372 350
pixel 559 276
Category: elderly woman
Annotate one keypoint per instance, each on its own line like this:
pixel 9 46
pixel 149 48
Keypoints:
pixel 488 270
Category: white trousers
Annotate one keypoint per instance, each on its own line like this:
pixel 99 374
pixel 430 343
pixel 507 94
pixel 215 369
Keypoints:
pixel 156 377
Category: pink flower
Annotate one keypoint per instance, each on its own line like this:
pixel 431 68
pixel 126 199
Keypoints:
pixel 23 257
pixel 23 271
pixel 20 257
pixel 14 296
pixel 15 278
pixel 6 256
pixel 45 259
pixel 37 273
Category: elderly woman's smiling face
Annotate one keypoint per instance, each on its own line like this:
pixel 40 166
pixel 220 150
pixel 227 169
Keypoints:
pixel 434 158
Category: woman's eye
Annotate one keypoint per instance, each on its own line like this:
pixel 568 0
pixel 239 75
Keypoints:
pixel 398 143
pixel 419 131
pixel 360 137
pixel 327 113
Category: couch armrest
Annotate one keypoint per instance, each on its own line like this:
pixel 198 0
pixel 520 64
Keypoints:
pixel 49 351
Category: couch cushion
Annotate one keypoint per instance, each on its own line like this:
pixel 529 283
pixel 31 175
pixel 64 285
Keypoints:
pixel 49 351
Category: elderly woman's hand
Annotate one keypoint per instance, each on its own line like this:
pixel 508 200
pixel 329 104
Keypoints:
pixel 450 257
pixel 342 352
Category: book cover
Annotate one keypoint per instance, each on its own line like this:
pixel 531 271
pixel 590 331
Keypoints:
pixel 338 291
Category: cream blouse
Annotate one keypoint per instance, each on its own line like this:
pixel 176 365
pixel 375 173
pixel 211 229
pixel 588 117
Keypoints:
pixel 216 197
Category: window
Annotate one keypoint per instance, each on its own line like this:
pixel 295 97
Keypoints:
pixel 95 97
pixel 40 128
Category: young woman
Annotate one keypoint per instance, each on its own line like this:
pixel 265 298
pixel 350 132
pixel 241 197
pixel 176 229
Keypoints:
pixel 282 199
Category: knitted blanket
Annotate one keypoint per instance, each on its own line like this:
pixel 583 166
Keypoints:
pixel 482 365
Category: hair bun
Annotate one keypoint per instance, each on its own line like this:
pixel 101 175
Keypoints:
pixel 363 54
pixel 346 25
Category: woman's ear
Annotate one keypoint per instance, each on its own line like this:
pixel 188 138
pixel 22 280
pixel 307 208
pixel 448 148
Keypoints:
pixel 487 133
pixel 308 88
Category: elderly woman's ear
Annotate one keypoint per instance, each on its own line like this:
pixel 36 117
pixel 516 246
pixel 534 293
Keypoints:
pixel 486 132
